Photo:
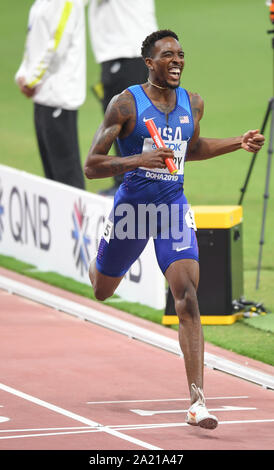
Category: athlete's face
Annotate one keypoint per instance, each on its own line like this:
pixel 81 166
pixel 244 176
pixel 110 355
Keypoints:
pixel 167 62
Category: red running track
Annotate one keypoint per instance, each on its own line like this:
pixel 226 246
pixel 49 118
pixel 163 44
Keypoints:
pixel 68 384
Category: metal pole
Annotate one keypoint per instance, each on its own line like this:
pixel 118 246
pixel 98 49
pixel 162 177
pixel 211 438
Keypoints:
pixel 266 193
pixel 243 189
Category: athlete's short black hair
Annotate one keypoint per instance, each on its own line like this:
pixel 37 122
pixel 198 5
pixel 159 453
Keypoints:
pixel 150 40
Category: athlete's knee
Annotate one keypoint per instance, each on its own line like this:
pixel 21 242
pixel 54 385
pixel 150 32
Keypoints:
pixel 186 303
pixel 100 293
pixel 101 290
pixel 103 286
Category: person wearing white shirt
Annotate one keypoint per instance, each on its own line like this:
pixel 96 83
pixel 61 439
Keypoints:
pixel 117 29
pixel 53 75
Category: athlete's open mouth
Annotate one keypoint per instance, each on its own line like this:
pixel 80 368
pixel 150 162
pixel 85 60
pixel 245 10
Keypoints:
pixel 175 72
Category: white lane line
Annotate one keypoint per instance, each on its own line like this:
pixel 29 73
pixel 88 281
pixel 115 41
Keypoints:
pixel 160 399
pixel 158 412
pixel 170 425
pixel 248 421
pixel 76 417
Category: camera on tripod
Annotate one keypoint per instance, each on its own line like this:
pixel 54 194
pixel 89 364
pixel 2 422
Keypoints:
pixel 269 114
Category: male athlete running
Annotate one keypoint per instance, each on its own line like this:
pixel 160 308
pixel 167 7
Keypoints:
pixel 177 114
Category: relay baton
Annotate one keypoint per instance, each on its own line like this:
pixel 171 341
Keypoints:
pixel 159 144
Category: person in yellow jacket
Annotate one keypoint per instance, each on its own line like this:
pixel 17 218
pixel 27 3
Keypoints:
pixel 53 75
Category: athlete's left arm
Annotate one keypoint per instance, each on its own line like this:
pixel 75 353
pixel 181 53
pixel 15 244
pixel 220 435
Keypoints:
pixel 202 148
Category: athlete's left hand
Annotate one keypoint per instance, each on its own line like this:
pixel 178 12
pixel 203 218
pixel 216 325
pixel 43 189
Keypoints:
pixel 252 141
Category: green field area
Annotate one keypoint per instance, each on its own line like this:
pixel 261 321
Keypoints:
pixel 229 62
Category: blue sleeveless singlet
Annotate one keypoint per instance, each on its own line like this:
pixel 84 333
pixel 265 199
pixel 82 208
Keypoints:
pixel 176 129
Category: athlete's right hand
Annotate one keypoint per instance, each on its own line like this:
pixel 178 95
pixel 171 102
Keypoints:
pixel 156 158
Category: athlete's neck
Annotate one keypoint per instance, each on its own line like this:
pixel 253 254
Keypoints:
pixel 156 86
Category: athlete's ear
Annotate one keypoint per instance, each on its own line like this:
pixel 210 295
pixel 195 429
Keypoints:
pixel 149 63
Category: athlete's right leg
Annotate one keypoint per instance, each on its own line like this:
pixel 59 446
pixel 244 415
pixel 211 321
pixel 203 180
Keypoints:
pixel 104 286
pixel 115 256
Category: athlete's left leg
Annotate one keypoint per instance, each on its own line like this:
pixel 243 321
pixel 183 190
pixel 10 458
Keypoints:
pixel 178 260
pixel 177 255
pixel 183 277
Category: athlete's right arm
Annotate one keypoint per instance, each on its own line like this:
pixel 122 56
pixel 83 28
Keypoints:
pixel 119 121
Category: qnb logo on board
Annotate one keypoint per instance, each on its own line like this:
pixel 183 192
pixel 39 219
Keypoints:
pixel 29 218
pixel 82 240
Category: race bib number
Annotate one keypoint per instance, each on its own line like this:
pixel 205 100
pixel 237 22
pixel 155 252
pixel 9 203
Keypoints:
pixel 108 230
pixel 179 148
pixel 190 219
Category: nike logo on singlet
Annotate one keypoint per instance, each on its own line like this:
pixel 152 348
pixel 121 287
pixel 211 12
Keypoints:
pixel 148 119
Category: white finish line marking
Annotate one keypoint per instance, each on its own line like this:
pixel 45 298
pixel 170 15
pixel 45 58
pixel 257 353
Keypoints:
pixel 21 436
pixel 77 417
pixel 126 427
pixel 222 408
pixel 44 429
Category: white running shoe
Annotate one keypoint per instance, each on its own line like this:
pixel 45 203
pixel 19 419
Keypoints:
pixel 198 414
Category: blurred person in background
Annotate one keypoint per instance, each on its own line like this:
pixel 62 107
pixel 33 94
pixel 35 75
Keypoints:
pixel 53 75
pixel 117 29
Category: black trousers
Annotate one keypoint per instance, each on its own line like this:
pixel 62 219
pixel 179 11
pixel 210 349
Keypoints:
pixel 56 131
pixel 116 75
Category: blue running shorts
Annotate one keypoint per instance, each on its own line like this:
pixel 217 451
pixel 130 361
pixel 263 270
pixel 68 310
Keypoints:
pixel 131 224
